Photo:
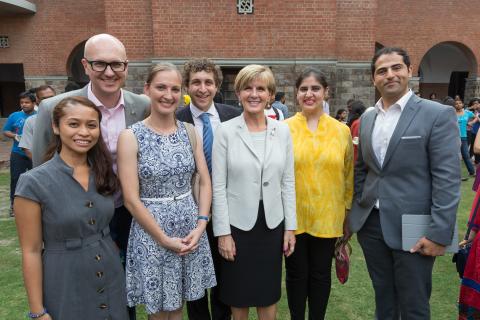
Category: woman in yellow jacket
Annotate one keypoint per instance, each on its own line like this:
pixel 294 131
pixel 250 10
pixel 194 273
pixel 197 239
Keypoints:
pixel 323 156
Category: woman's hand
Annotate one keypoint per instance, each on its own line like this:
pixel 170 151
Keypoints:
pixel 46 317
pixel 174 244
pixel 191 240
pixel 288 242
pixel 226 247
pixel 347 234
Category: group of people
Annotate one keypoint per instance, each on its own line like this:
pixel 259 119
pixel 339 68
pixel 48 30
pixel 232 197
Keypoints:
pixel 220 196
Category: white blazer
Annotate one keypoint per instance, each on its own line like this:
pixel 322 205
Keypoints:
pixel 237 173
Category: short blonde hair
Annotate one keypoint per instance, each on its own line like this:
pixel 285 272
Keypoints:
pixel 253 72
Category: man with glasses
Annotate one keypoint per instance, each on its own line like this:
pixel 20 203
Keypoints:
pixel 105 62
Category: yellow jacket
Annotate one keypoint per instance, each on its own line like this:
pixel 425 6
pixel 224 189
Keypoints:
pixel 323 175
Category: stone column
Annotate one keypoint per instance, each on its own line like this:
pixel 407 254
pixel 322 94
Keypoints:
pixel 57 82
pixel 472 88
pixel 137 75
pixel 354 81
pixel 414 84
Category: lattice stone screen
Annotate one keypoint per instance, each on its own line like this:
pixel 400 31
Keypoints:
pixel 245 6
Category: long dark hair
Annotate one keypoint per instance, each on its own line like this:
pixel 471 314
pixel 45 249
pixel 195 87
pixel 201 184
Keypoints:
pixel 358 108
pixel 99 157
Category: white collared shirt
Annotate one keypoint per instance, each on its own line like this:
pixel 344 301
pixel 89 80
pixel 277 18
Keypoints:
pixel 213 115
pixel 385 124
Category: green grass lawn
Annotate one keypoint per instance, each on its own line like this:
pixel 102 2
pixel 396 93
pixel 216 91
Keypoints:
pixel 354 300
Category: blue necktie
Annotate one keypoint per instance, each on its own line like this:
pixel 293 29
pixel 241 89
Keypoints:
pixel 207 139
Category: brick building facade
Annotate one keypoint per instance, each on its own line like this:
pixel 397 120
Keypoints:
pixel 338 36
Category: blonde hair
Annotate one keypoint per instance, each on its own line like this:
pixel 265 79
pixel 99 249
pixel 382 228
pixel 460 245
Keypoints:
pixel 253 72
pixel 166 66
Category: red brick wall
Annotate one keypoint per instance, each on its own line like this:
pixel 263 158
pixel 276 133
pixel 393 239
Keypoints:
pixel 212 28
pixel 419 25
pixel 131 22
pixel 43 41
pixel 355 22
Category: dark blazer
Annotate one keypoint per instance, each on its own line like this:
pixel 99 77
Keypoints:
pixel 137 108
pixel 420 173
pixel 225 112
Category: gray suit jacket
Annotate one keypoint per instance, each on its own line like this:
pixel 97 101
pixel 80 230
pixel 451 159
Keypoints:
pixel 420 173
pixel 238 175
pixel 136 109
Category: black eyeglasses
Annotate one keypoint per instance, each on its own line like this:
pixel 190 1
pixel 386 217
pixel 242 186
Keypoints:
pixel 101 66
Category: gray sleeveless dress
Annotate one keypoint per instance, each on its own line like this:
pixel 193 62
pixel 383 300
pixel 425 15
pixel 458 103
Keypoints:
pixel 158 277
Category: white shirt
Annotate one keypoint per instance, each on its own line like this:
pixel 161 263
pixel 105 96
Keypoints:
pixel 326 107
pixel 385 124
pixel 271 114
pixel 213 116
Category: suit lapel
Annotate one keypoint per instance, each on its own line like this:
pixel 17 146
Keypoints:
pixel 406 118
pixel 367 124
pixel 242 131
pixel 221 113
pixel 130 114
pixel 271 134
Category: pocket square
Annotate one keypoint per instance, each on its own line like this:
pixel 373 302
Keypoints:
pixel 411 137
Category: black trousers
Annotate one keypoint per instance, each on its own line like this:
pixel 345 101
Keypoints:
pixel 18 165
pixel 120 230
pixel 198 309
pixel 309 276
pixel 402 280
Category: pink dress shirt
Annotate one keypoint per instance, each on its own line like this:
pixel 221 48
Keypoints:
pixel 113 122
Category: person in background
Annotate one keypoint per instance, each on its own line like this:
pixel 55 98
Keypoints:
pixel 432 96
pixel 464 117
pixel 41 92
pixel 342 116
pixel 70 264
pixel 13 129
pixel 322 147
pixel 168 255
pixel 474 107
pixel 253 199
pixel 273 112
pixel 358 108
pixel 279 103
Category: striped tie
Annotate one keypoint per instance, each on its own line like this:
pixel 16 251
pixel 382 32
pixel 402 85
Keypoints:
pixel 207 139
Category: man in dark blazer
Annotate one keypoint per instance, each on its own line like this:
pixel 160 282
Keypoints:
pixel 202 78
pixel 105 62
pixel 407 164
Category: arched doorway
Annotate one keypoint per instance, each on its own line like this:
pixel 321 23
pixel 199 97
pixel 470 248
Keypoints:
pixel 75 70
pixel 445 68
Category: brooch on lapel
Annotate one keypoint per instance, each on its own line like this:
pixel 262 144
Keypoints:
pixel 272 133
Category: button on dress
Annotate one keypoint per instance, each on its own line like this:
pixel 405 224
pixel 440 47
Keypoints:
pixel 82 273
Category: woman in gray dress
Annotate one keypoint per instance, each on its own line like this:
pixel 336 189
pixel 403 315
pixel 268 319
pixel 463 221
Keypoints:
pixel 64 207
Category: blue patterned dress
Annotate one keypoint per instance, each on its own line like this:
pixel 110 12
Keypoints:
pixel 157 277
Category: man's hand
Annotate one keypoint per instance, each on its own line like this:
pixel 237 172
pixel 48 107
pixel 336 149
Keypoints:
pixel 428 248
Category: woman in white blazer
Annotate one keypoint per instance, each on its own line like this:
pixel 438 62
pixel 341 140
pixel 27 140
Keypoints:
pixel 253 199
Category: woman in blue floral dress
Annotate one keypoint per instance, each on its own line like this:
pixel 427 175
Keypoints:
pixel 168 256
